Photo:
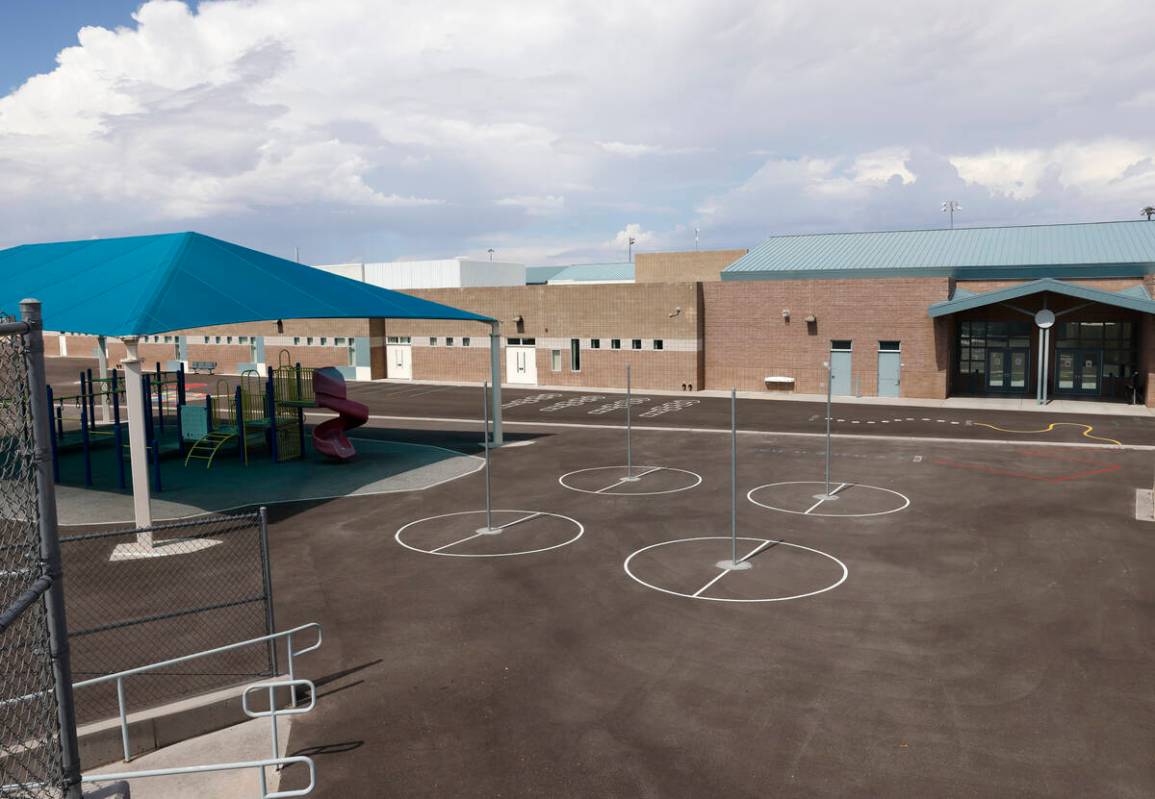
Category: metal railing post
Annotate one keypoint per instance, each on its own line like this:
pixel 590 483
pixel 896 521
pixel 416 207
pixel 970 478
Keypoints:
pixel 122 709
pixel 292 671
pixel 50 551
pixel 267 578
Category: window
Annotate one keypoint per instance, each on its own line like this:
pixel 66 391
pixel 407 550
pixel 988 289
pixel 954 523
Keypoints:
pixel 615 343
pixel 889 346
pixel 308 341
pixel 324 341
pixel 449 341
pixel 228 339
pixel 555 360
pixel 242 339
pixel 840 345
pixel 575 354
pixel 595 343
pixel 339 341
pixel 218 340
pixel 168 339
pixel 206 339
pixel 659 344
pixel 296 340
pixel 433 341
pixel 465 341
pixel 636 344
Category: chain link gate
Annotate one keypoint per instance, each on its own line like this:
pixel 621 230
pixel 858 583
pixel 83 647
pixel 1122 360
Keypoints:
pixel 38 752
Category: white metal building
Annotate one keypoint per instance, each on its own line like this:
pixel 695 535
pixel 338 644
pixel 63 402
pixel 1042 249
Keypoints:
pixel 445 273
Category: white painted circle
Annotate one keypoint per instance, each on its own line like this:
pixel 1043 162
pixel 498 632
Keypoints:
pixel 1045 318
pixel 750 496
pixel 695 477
pixel 400 540
pixel 640 581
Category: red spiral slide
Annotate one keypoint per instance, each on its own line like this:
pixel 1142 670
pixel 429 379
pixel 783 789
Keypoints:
pixel 329 436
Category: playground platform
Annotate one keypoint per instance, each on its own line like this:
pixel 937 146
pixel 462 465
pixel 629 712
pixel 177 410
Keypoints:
pixel 380 467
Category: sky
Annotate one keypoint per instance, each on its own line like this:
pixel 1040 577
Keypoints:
pixel 552 131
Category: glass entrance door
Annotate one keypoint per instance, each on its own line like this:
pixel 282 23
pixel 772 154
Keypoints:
pixel 1008 370
pixel 1079 372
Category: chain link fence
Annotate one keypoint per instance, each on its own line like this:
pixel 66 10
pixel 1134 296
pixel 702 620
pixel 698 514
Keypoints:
pixel 32 761
pixel 144 595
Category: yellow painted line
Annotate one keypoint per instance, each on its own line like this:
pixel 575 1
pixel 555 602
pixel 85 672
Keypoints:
pixel 1086 430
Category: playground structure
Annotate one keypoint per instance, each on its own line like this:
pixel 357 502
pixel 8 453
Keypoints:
pixel 256 412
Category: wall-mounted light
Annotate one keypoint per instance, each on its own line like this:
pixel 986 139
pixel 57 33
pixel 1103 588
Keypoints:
pixel 677 310
pixel 517 320
pixel 786 314
pixel 811 319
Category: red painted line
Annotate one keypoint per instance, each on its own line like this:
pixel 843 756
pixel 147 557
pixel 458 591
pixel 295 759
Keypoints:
pixel 1104 468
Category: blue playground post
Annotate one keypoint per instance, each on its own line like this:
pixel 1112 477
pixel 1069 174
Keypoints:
pixel 159 397
pixel 117 433
pixel 150 431
pixel 180 399
pixel 240 417
pixel 271 410
pixel 52 440
pixel 300 411
pixel 82 403
pixel 91 401
pixel 208 413
pixel 84 441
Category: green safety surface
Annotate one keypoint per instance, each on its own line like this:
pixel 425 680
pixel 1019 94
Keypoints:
pixel 380 466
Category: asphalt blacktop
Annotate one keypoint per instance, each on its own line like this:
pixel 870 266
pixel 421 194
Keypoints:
pixel 970 616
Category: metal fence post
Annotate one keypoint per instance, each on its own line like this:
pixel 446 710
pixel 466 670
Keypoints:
pixel 267 577
pixel 50 551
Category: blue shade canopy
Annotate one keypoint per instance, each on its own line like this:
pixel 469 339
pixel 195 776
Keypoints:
pixel 154 284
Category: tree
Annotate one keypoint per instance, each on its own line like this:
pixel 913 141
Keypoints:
pixel 1149 211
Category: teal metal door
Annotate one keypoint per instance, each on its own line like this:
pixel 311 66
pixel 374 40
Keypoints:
pixel 840 379
pixel 889 373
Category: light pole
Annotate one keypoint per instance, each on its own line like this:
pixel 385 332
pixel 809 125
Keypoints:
pixel 491 255
pixel 949 207
pixel 630 250
pixel 696 232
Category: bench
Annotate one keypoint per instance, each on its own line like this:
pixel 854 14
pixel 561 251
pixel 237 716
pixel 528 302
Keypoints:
pixel 203 366
pixel 780 383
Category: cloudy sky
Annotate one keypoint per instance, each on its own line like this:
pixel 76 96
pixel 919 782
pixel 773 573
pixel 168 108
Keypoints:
pixel 552 130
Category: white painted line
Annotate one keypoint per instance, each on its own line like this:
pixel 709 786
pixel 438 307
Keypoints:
pixel 695 478
pixel 750 496
pixel 764 542
pixel 519 521
pixel 455 543
pixel 400 538
pixel 840 487
pixel 756 550
pixel 721 574
pixel 815 505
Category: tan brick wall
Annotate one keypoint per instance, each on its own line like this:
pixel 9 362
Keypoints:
pixel 747 338
pixel 683 267
pixel 1106 284
pixel 564 312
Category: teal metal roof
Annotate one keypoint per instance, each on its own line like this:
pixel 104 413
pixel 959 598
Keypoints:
pixel 153 284
pixel 1100 249
pixel 1134 298
pixel 581 273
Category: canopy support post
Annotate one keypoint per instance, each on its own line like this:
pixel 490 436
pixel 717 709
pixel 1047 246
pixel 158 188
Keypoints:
pixel 495 380
pixel 137 446
pixel 102 360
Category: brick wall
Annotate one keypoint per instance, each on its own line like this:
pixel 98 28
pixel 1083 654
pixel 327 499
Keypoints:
pixel 747 338
pixel 683 267
pixel 555 314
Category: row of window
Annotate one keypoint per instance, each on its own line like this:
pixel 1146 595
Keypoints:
pixel 450 341
pixel 846 345
pixel 307 341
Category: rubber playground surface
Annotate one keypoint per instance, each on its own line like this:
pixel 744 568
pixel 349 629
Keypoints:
pixel 966 617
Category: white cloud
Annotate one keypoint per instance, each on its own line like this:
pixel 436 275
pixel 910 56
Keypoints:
pixel 403 127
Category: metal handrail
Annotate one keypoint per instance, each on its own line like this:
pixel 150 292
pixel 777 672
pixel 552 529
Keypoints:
pixel 273 713
pixel 258 764
pixel 120 676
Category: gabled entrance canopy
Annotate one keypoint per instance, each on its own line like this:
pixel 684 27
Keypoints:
pixel 1134 299
pixel 130 287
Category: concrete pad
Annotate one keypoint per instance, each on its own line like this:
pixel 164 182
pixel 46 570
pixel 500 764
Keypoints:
pixel 251 740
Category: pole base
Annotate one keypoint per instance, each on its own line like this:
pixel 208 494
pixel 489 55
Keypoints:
pixel 826 497
pixel 139 551
pixel 631 479
pixel 488 530
pixel 738 566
